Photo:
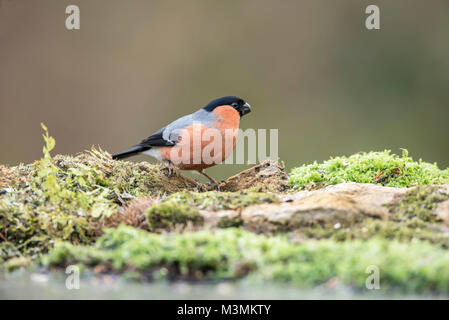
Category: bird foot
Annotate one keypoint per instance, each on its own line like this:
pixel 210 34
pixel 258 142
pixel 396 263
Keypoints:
pixel 215 185
pixel 170 171
pixel 212 181
pixel 199 186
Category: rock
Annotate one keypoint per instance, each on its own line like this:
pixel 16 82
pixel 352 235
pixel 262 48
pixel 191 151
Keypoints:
pixel 213 218
pixel 266 176
pixel 371 194
pixel 342 203
pixel 324 209
pixel 442 210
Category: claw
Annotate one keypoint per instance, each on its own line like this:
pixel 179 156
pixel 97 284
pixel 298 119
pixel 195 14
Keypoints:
pixel 170 170
pixel 199 186
pixel 212 181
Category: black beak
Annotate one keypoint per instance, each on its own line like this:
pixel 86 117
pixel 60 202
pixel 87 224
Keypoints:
pixel 246 108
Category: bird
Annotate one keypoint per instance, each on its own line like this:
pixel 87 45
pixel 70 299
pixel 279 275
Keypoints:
pixel 175 143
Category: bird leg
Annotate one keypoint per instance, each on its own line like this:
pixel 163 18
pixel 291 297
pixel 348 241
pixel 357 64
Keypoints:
pixel 170 168
pixel 212 181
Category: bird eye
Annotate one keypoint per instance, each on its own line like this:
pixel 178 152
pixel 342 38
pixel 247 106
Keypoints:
pixel 235 104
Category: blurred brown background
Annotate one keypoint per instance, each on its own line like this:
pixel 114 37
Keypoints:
pixel 308 68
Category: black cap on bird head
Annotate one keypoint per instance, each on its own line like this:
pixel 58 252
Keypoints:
pixel 237 103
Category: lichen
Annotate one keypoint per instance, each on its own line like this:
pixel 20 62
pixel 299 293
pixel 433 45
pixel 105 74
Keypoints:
pixel 372 167
pixel 236 253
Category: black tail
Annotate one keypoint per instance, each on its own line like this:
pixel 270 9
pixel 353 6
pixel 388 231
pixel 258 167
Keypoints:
pixel 130 152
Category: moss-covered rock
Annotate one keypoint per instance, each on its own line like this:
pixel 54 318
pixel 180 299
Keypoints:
pixel 410 215
pixel 221 200
pixel 346 212
pixel 329 230
pixel 186 207
pixel 235 253
pixel 372 167
pixel 73 197
pixel 67 198
pixel 419 203
pixel 169 214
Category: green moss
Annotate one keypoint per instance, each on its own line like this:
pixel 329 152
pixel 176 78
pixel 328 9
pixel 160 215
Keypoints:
pixel 66 198
pixel 373 167
pixel 170 213
pixel 48 205
pixel 227 222
pixel 420 203
pixel 404 231
pixel 235 253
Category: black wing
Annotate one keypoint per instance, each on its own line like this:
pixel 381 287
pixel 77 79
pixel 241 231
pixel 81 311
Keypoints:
pixel 156 140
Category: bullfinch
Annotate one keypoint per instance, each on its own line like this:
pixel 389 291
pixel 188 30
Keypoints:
pixel 196 141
